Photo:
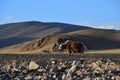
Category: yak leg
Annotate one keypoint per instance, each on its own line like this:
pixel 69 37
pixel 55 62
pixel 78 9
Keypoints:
pixel 82 51
pixel 75 51
pixel 68 52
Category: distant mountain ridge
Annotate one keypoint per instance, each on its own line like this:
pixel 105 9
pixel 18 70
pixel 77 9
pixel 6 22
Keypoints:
pixel 14 33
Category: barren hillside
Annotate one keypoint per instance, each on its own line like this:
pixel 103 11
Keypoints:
pixel 94 39
pixel 16 33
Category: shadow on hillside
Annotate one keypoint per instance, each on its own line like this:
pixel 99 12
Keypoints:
pixel 94 43
pixel 12 41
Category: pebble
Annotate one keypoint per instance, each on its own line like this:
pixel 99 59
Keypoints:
pixel 33 65
pixel 28 78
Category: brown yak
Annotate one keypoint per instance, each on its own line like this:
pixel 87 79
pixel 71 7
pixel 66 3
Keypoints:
pixel 72 47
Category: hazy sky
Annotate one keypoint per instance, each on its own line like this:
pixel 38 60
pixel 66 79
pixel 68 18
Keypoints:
pixel 97 13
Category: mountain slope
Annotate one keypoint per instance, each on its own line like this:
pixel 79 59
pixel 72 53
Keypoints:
pixel 14 33
pixel 94 39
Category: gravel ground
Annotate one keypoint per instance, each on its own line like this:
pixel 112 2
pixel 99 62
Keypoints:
pixel 59 67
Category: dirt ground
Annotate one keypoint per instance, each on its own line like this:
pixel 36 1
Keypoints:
pixel 44 58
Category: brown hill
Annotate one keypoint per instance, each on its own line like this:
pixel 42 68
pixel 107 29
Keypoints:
pixel 94 39
pixel 15 33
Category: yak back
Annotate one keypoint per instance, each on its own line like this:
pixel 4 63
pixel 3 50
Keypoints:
pixel 75 47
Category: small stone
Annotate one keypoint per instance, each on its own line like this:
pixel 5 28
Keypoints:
pixel 69 75
pixel 112 77
pixel 28 78
pixel 54 76
pixel 64 77
pixel 38 77
pixel 79 73
pixel 53 62
pixel 73 68
pixel 17 78
pixel 74 62
pixel 33 65
pixel 117 77
pixel 41 70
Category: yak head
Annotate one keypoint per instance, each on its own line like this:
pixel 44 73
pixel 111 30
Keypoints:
pixel 62 46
